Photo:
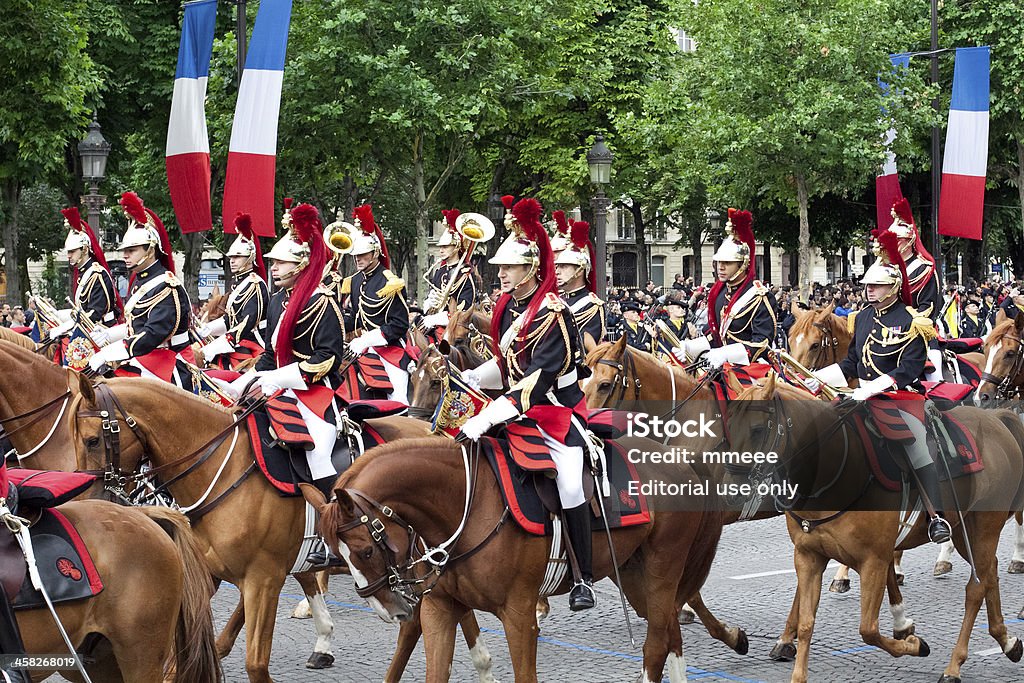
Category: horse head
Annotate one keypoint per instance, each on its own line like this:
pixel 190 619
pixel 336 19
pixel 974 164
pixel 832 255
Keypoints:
pixel 469 331
pixel 1003 376
pixel 427 382
pixel 818 338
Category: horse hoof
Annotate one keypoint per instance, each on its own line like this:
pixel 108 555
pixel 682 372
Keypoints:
pixel 949 679
pixel 1016 567
pixel 839 586
pixel 922 648
pixel 743 645
pixel 1016 651
pixel 320 660
pixel 904 634
pixel 942 568
pixel 899 579
pixel 686 616
pixel 783 652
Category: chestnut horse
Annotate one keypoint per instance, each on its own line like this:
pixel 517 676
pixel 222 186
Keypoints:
pixel 819 338
pixel 154 611
pixel 863 532
pixel 489 563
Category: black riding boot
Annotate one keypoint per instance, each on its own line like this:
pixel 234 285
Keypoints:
pixel 324 557
pixel 10 641
pixel 577 526
pixel 939 530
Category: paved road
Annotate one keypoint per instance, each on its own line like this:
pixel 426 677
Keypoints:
pixel 751 584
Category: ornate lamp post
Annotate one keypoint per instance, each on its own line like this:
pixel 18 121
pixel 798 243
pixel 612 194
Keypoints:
pixel 599 159
pixel 93 152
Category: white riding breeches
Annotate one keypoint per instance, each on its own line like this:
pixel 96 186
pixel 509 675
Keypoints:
pixel 324 434
pixel 917 449
pixel 569 471
pixel 399 380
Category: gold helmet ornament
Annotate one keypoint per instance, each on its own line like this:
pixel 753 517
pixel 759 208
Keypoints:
pixel 889 267
pixel 450 236
pixel 520 247
pixel 579 252
pixel 293 248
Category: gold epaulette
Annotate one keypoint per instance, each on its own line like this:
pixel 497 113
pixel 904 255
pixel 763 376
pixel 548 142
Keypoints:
pixel 552 302
pixel 346 285
pixel 394 286
pixel 851 321
pixel 596 299
pixel 759 287
pixel 921 325
pixel 172 279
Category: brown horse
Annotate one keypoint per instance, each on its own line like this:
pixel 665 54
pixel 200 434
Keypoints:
pixel 492 564
pixel 862 529
pixel 154 612
pixel 1003 363
pixel 819 338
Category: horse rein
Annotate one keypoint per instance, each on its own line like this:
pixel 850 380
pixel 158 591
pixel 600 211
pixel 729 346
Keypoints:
pixel 623 370
pixel 39 412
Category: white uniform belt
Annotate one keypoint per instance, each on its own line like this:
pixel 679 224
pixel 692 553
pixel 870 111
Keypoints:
pixel 179 339
pixel 567 379
pixel 109 317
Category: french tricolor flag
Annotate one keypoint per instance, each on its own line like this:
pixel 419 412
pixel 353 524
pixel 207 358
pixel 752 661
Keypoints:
pixel 965 163
pixel 887 183
pixel 252 155
pixel 188 143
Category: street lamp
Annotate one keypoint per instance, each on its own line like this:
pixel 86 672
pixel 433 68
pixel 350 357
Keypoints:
pixel 599 159
pixel 93 152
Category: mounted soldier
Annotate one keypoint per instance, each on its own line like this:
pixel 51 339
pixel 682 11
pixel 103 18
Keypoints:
pixel 741 309
pixel 155 339
pixel 451 279
pixel 577 283
pixel 924 285
pixel 537 353
pixel 887 355
pixel 377 312
pixel 242 331
pixel 93 294
pixel 306 342
pixel 671 331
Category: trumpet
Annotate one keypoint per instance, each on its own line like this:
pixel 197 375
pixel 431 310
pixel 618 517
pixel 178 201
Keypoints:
pixel 338 237
pixel 827 390
pixel 474 228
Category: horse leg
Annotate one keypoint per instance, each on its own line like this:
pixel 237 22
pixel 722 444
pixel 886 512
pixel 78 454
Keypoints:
pixel 1017 563
pixel 518 616
pixel 409 633
pixel 675 662
pixel 478 651
pixel 785 649
pixel 1011 646
pixel 322 656
pixel 841 581
pixel 543 608
pixel 735 637
pixel 902 625
pixel 809 568
pixel 438 616
pixel 261 595
pixel 897 560
pixel 873 579
pixel 303 610
pixel 226 639
pixel 943 564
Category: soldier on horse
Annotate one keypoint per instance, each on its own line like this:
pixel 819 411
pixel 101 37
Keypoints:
pixel 242 331
pixel 93 295
pixel 741 310
pixel 155 339
pixel 537 356
pixel 451 278
pixel 377 312
pixel 887 355
pixel 577 281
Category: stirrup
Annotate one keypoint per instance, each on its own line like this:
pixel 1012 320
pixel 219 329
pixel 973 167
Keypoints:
pixel 582 596
pixel 939 530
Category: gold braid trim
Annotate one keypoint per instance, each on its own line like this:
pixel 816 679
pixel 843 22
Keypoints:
pixel 526 386
pixel 921 325
pixel 394 286
pixel 318 370
pixel 851 321
pixel 346 285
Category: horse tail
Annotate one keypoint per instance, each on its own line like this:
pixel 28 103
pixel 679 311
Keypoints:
pixel 195 652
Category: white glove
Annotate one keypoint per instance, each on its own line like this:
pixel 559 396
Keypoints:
pixel 432 300
pixel 876 386
pixel 217 347
pixel 64 314
pixel 103 336
pixel 489 375
pixel 114 351
pixel 367 340
pixel 288 377
pixel 680 354
pixel 497 411
pixel 472 378
pixel 62 329
pixel 730 353
pixel 694 347
pixel 215 328
pixel 436 320
pixel 813 384
pixel 238 386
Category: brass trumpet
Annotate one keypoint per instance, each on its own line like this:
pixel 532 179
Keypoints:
pixel 476 228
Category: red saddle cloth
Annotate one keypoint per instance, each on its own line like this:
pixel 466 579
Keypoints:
pixel 366 378
pixel 526 491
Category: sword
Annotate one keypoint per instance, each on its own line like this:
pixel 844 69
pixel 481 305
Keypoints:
pixel 615 563
pixel 956 498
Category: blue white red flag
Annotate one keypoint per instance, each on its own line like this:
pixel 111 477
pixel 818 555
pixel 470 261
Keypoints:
pixel 188 143
pixel 965 161
pixel 887 183
pixel 252 155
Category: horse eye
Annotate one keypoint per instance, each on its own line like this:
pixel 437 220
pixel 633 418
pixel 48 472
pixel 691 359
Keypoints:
pixel 366 554
pixel 604 386
pixel 815 345
pixel 92 442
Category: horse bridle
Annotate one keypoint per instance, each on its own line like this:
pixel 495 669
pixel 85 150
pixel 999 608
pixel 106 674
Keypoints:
pixel 830 341
pixel 1004 385
pixel 38 412
pixel 623 370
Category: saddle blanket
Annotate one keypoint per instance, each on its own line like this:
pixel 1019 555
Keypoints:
pixel 64 563
pixel 366 378
pixel 961 453
pixel 521 490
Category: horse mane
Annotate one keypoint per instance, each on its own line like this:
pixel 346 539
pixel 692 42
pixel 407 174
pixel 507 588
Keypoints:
pixel 215 307
pixel 601 351
pixel 999 331
pixel 26 353
pixel 805 323
pixel 401 446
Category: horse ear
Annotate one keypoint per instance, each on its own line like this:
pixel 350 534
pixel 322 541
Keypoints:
pixel 769 382
pixel 588 342
pixel 85 388
pixel 733 382
pixel 345 502
pixel 620 346
pixel 444 347
pixel 828 310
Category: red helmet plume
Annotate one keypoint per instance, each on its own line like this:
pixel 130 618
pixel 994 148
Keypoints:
pixel 307 229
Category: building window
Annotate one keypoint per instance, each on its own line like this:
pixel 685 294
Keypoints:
pixel 684 42
pixel 624 228
pixel 624 269
pixel 658 271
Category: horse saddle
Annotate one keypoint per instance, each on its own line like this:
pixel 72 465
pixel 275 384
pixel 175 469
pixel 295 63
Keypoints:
pixel 532 496
pixel 962 344
pixel 365 378
pixel 61 556
pixel 947 439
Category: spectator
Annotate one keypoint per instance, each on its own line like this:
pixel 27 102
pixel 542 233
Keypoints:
pixel 679 282
pixel 972 324
pixel 5 315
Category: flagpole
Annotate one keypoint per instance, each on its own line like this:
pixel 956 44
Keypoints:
pixel 240 34
pixel 940 270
